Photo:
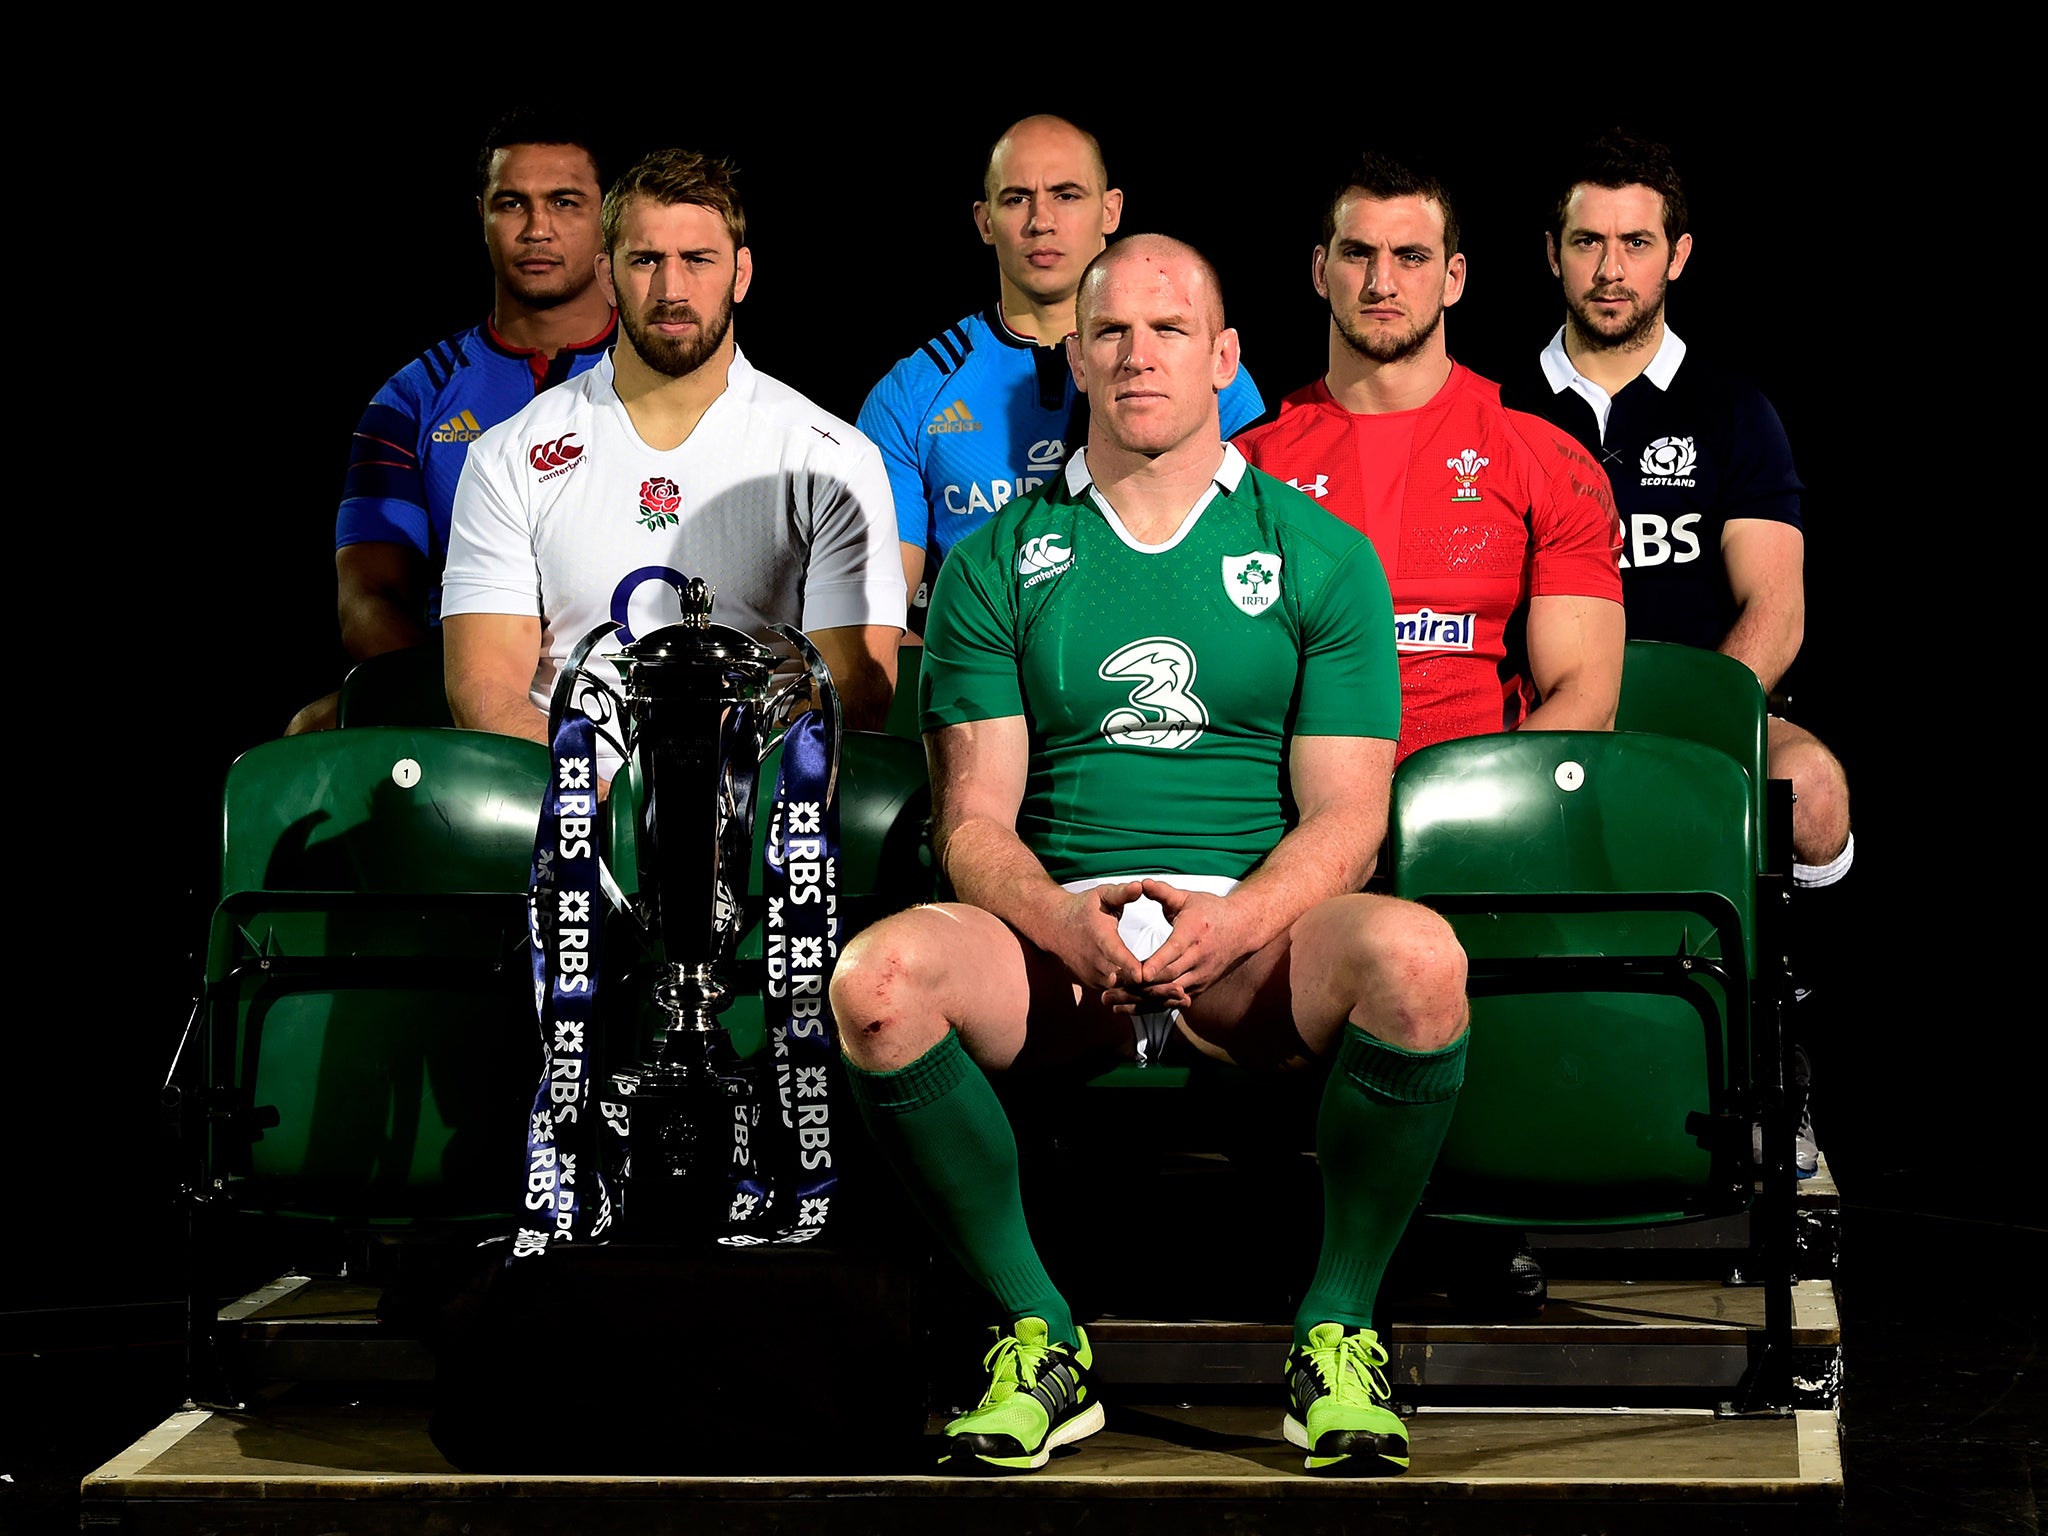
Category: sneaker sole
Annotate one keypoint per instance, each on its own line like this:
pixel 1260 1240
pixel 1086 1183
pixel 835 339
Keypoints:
pixel 1079 1427
pixel 1366 1454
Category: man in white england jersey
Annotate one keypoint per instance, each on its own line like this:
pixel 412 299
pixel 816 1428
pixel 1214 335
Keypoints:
pixel 671 458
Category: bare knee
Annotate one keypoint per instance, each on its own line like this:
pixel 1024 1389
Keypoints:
pixel 1820 794
pixel 1404 973
pixel 886 991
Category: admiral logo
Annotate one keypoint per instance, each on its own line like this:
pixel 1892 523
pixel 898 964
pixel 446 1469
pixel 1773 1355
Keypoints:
pixel 1668 461
pixel 557 457
pixel 1043 558
pixel 1427 630
pixel 1465 469
pixel 457 429
pixel 954 418
pixel 1318 488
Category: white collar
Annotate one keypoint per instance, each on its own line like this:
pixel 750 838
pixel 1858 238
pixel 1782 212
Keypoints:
pixel 1561 375
pixel 1228 474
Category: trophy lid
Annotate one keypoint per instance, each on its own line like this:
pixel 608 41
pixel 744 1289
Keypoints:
pixel 694 642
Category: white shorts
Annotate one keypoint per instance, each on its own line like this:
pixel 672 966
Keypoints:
pixel 1143 928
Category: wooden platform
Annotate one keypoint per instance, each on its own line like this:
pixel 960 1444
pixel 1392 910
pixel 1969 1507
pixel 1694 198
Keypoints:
pixel 1619 1409
pixel 314 1466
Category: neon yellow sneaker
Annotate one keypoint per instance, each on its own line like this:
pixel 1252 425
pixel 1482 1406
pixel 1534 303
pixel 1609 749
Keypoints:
pixel 1336 1396
pixel 1038 1397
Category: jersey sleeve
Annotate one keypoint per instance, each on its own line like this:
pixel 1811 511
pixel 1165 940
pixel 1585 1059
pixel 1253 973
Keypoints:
pixel 1574 529
pixel 1761 482
pixel 854 575
pixel 970 668
pixel 491 567
pixel 1350 674
pixel 384 494
pixel 890 419
pixel 1240 404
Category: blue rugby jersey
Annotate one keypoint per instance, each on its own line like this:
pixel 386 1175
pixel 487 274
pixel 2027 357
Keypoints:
pixel 409 446
pixel 978 416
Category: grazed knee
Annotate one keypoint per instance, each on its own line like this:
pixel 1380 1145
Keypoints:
pixel 886 991
pixel 1413 978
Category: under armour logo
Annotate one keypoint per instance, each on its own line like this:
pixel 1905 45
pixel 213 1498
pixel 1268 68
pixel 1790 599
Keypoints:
pixel 1319 489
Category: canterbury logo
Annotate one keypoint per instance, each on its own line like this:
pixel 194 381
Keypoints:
pixel 1042 554
pixel 559 454
pixel 458 429
pixel 954 418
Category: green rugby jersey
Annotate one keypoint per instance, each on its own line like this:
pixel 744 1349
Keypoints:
pixel 1162 683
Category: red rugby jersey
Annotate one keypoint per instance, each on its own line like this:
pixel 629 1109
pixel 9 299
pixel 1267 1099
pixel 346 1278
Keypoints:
pixel 1473 509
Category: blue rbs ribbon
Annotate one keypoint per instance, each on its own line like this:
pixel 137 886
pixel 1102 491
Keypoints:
pixel 565 1198
pixel 800 941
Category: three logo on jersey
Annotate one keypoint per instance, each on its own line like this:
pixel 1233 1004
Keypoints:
pixel 1042 461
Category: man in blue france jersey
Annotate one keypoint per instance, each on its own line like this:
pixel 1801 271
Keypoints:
pixel 986 410
pixel 539 189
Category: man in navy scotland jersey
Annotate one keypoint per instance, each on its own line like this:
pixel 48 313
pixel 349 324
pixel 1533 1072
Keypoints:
pixel 986 411
pixel 1714 544
pixel 538 193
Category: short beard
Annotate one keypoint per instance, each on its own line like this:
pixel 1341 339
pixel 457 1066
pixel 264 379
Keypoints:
pixel 1629 338
pixel 1384 350
pixel 678 358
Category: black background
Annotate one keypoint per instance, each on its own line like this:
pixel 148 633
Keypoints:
pixel 301 245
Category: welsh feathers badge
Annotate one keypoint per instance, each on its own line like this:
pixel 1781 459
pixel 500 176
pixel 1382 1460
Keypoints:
pixel 1253 580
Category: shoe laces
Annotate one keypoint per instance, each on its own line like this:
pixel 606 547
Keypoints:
pixel 1012 1366
pixel 1356 1362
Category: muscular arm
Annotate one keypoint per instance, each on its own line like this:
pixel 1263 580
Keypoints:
pixel 489 664
pixel 382 598
pixel 977 773
pixel 913 574
pixel 862 661
pixel 1766 563
pixel 1341 786
pixel 1575 648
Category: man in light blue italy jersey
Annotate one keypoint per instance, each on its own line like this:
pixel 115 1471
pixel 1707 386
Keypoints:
pixel 986 411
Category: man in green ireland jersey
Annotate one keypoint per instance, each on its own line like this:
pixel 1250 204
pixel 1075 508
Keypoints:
pixel 1160 701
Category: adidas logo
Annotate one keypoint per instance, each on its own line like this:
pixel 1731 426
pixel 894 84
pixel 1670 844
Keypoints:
pixel 954 418
pixel 458 429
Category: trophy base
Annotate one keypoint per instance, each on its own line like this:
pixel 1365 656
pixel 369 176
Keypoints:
pixel 692 1118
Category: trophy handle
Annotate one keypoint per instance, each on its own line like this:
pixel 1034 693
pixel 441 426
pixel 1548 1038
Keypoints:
pixel 828 701
pixel 565 691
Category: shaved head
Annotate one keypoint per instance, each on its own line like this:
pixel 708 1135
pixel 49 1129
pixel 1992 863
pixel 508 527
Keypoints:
pixel 1174 259
pixel 1039 126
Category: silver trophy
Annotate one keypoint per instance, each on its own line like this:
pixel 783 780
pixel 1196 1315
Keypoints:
pixel 702 702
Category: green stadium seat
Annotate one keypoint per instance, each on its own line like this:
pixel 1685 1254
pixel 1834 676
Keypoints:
pixel 405 687
pixel 1604 888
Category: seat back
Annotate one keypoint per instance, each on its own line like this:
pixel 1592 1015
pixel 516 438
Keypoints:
pixel 1603 886
pixel 383 809
pixel 370 1034
pixel 1698 695
pixel 403 687
pixel 904 705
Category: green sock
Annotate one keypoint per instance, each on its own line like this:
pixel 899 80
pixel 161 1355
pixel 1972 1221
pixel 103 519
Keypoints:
pixel 942 1128
pixel 1383 1118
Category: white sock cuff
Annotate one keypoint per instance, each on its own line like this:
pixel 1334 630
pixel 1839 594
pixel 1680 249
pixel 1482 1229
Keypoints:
pixel 1810 875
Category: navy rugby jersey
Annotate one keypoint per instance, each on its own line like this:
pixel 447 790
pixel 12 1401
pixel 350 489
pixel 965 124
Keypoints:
pixel 409 447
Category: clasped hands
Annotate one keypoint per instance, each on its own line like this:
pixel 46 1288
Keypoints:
pixel 1209 938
